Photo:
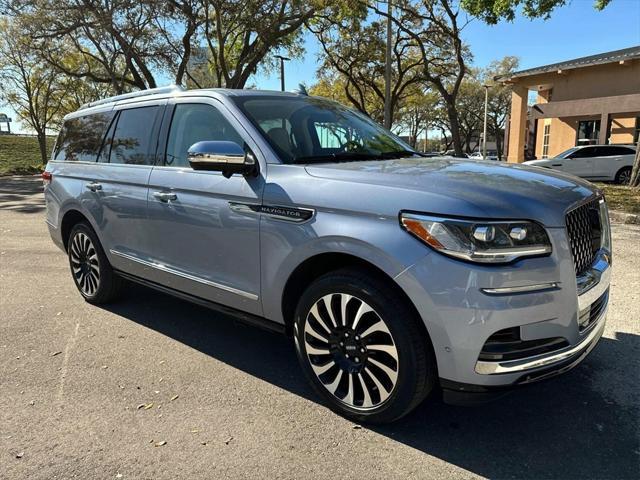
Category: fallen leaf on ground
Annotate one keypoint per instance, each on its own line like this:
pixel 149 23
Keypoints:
pixel 226 442
pixel 20 455
pixel 175 397
pixel 159 444
pixel 55 353
pixel 148 406
pixel 140 406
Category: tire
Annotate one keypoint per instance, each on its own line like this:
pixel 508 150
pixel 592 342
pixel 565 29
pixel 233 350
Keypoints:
pixel 383 351
pixel 91 271
pixel 623 177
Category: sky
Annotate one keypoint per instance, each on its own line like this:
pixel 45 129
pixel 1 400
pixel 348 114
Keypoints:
pixel 573 31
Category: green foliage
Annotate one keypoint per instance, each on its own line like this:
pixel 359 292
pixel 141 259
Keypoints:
pixel 21 154
pixel 492 11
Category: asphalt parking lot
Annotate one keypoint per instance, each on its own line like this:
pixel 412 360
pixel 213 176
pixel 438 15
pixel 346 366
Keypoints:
pixel 154 387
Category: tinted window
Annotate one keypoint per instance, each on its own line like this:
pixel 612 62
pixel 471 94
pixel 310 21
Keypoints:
pixel 132 136
pixel 614 151
pixel 194 123
pixel 584 153
pixel 81 137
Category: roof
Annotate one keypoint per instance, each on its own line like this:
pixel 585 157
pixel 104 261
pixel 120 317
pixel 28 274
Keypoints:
pixel 590 61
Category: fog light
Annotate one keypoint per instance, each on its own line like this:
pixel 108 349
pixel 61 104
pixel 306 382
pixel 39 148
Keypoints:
pixel 484 233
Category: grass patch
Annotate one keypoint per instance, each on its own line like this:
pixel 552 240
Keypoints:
pixel 624 199
pixel 21 155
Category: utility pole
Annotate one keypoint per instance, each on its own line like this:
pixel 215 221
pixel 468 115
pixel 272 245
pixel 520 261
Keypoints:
pixel 282 60
pixel 387 70
pixel 484 129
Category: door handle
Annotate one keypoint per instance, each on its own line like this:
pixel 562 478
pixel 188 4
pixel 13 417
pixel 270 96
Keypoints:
pixel 94 186
pixel 165 196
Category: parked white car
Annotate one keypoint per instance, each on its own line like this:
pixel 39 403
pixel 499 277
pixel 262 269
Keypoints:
pixel 491 155
pixel 594 162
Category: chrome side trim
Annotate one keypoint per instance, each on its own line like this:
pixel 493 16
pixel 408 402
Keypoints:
pixel 544 360
pixel 538 287
pixel 173 271
pixel 277 212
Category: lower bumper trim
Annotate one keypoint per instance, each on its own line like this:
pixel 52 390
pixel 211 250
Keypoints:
pixel 521 365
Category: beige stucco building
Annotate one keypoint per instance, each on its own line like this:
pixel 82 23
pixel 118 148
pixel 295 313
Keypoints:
pixel 589 100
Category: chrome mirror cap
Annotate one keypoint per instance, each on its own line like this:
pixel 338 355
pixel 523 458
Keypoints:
pixel 222 156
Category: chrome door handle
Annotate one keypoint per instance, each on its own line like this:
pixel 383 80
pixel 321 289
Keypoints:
pixel 165 196
pixel 94 186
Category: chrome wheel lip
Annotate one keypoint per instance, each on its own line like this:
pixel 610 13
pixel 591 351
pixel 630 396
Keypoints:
pixel 85 264
pixel 372 375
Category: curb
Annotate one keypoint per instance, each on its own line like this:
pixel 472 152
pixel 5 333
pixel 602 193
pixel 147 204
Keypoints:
pixel 625 218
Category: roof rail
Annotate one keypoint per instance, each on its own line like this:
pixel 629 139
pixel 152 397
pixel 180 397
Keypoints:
pixel 140 93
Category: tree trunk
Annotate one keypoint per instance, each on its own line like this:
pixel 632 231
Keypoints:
pixel 42 143
pixel 454 126
pixel 635 172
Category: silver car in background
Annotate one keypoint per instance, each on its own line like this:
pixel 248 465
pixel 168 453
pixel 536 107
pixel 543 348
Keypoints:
pixel 394 273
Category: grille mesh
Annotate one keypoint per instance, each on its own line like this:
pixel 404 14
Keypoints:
pixel 584 229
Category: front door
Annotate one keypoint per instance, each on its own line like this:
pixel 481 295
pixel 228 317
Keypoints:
pixel 200 244
pixel 578 163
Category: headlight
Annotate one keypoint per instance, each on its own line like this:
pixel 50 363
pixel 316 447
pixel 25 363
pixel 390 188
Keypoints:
pixel 479 241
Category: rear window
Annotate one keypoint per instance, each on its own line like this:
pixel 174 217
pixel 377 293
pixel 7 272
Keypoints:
pixel 81 137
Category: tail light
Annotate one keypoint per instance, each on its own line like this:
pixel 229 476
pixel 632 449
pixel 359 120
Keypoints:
pixel 46 178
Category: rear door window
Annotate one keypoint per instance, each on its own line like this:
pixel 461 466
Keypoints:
pixel 614 151
pixel 81 137
pixel 131 143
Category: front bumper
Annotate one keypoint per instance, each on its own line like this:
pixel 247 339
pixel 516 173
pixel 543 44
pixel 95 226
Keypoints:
pixel 463 305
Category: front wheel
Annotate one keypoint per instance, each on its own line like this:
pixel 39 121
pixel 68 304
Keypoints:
pixel 362 348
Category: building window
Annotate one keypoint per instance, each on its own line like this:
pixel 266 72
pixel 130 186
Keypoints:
pixel 636 132
pixel 588 132
pixel 545 140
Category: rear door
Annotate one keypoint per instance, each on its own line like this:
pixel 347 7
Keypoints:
pixel 204 239
pixel 609 160
pixel 115 193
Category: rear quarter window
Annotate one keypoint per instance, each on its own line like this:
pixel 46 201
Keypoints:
pixel 81 137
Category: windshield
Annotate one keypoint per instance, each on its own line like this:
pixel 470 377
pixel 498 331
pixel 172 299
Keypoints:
pixel 566 153
pixel 308 129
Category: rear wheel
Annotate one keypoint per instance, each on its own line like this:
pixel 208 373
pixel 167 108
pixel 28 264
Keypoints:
pixel 361 347
pixel 623 177
pixel 91 271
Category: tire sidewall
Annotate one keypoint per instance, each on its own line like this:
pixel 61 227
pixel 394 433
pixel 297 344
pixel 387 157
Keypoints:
pixel 397 318
pixel 620 172
pixel 105 271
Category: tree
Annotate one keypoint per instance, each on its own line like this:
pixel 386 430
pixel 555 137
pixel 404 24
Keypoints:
pixel 416 114
pixel 353 60
pixel 499 99
pixel 434 29
pixel 492 11
pixel 29 86
pixel 635 172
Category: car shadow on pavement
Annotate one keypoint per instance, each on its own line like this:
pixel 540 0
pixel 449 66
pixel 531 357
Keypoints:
pixel 22 194
pixel 583 424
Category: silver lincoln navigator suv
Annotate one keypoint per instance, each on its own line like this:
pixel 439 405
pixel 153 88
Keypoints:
pixel 395 274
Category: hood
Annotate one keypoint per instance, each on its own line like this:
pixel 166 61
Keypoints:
pixel 460 187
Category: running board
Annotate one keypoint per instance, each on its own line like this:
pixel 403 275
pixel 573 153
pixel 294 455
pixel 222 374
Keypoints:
pixel 244 317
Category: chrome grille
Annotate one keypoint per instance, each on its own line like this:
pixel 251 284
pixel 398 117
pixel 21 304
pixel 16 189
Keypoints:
pixel 584 230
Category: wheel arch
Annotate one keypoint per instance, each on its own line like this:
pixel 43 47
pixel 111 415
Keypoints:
pixel 320 264
pixel 70 218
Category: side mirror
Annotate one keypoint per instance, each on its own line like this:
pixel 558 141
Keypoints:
pixel 222 156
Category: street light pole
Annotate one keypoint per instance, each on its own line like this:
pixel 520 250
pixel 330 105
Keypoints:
pixel 387 70
pixel 484 129
pixel 282 60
